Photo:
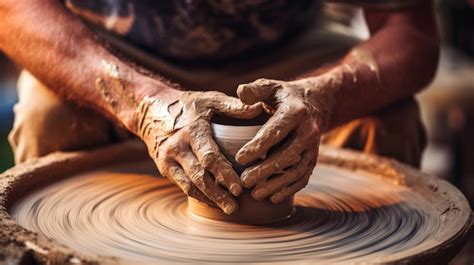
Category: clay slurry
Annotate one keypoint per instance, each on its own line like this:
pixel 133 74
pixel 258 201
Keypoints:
pixel 340 216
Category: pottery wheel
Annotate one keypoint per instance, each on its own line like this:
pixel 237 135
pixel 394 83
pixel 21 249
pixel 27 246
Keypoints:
pixel 341 216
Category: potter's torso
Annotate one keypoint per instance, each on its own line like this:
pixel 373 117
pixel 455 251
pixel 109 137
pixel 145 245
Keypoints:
pixel 207 29
pixel 199 29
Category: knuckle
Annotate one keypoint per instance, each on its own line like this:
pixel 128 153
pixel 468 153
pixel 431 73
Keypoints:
pixel 220 179
pixel 277 166
pixel 241 89
pixel 201 104
pixel 265 82
pixel 198 100
pixel 195 127
pixel 314 128
pixel 300 109
pixel 208 160
pixel 161 162
pixel 167 150
pixel 294 159
pixel 198 177
pixel 287 160
pixel 288 177
pixel 262 81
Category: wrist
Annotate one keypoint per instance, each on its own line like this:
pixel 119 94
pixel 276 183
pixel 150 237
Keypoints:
pixel 146 88
pixel 321 93
pixel 149 91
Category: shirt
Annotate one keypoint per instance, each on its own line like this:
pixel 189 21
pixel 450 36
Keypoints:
pixel 207 29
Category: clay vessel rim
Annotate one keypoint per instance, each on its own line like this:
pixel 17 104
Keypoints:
pixel 232 132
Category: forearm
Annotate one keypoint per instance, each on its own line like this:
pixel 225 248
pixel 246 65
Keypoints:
pixel 397 61
pixel 62 52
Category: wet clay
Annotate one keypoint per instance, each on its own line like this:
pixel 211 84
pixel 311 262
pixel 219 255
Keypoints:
pixel 284 152
pixel 356 208
pixel 179 139
pixel 365 57
pixel 230 139
pixel 250 210
pixel 114 78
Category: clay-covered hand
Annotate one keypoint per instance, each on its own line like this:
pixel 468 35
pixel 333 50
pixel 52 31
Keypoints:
pixel 179 138
pixel 292 133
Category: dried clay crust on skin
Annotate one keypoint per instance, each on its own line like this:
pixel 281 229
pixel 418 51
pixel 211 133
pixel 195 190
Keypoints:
pixel 179 139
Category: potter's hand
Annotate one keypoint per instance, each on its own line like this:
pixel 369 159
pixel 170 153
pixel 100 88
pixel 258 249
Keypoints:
pixel 179 139
pixel 294 127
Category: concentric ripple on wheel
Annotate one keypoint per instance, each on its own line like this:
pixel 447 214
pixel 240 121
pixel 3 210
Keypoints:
pixel 341 216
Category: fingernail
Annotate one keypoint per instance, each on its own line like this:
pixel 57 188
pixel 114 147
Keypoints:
pixel 238 157
pixel 235 189
pixel 276 199
pixel 258 194
pixel 229 209
pixel 246 183
pixel 242 156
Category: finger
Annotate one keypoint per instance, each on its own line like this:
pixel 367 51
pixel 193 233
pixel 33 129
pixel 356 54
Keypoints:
pixel 265 189
pixel 281 195
pixel 272 132
pixel 260 90
pixel 211 158
pixel 234 107
pixel 176 174
pixel 171 170
pixel 286 156
pixel 205 184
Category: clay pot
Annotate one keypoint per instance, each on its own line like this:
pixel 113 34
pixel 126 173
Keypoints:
pixel 230 139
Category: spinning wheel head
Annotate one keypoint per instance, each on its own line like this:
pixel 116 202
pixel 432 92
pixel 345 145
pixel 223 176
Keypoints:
pixel 357 209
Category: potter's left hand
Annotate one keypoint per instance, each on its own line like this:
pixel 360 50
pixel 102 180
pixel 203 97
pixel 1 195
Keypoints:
pixel 294 130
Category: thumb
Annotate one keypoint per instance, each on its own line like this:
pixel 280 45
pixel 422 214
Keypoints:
pixel 234 107
pixel 261 90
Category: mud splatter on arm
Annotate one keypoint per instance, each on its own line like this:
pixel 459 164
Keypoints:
pixel 397 61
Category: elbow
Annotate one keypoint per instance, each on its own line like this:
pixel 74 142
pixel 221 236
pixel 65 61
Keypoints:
pixel 424 53
pixel 429 60
pixel 418 61
pixel 412 39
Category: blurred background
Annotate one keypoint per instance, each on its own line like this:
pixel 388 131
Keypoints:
pixel 8 76
pixel 447 104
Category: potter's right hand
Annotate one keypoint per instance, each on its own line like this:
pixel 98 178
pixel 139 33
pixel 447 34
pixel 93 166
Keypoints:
pixel 178 135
